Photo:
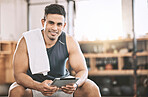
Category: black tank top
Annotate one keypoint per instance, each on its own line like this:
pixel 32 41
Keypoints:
pixel 58 56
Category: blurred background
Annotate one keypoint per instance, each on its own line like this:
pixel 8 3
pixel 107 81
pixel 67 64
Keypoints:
pixel 109 33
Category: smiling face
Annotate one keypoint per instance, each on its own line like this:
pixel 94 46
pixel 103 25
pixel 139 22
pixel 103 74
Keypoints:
pixel 53 26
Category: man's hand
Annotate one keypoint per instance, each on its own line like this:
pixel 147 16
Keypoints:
pixel 69 89
pixel 46 89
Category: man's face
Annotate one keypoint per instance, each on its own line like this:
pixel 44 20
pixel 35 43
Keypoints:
pixel 53 26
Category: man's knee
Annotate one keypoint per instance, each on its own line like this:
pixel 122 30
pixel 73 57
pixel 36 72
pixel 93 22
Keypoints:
pixel 16 90
pixel 88 88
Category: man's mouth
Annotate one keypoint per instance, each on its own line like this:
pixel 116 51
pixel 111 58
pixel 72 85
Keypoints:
pixel 53 33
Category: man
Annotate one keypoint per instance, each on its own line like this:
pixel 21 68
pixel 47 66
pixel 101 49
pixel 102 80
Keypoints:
pixel 26 82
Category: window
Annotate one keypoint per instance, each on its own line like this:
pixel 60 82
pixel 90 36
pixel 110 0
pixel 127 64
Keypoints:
pixel 98 20
pixel 141 17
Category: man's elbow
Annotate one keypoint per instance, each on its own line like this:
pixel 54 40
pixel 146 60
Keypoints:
pixel 17 78
pixel 85 72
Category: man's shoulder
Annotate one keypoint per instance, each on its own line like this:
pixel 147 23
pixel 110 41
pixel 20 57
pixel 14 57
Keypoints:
pixel 71 40
pixel 69 37
pixel 21 45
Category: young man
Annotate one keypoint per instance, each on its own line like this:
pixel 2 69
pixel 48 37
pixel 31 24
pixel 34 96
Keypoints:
pixel 59 47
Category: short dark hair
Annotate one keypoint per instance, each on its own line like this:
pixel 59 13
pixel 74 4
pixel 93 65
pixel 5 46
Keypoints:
pixel 54 9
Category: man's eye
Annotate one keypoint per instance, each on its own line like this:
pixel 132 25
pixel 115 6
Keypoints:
pixel 50 22
pixel 59 24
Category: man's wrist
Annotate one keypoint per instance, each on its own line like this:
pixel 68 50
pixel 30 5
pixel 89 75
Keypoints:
pixel 77 86
pixel 36 86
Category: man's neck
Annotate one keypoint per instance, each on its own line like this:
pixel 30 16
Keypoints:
pixel 49 43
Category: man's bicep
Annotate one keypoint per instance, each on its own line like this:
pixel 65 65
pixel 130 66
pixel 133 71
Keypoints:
pixel 20 60
pixel 76 58
pixel 77 61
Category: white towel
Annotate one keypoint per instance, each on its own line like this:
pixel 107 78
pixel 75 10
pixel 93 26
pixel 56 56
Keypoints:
pixel 38 58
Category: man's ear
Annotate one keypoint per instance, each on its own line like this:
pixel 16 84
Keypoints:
pixel 43 22
pixel 64 25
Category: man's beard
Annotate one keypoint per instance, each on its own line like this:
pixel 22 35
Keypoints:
pixel 51 38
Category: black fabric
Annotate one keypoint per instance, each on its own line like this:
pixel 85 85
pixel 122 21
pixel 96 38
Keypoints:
pixel 58 56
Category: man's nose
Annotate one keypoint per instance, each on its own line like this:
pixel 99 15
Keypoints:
pixel 54 27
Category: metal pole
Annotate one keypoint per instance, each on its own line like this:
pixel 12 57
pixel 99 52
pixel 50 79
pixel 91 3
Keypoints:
pixel 134 50
pixel 28 15
pixel 56 1
pixel 68 16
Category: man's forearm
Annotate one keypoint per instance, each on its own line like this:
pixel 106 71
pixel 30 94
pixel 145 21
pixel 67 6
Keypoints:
pixel 83 76
pixel 26 81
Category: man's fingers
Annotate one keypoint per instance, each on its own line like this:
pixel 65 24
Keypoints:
pixel 68 92
pixel 47 81
pixel 68 89
pixel 71 88
pixel 50 87
pixel 49 92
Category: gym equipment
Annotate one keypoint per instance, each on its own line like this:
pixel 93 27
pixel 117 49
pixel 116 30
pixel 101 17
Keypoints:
pixel 116 91
pixel 126 90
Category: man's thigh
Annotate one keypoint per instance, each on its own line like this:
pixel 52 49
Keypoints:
pixel 32 93
pixel 88 89
pixel 16 89
pixel 28 93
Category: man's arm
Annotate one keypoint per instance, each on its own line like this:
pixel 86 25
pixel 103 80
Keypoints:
pixel 78 64
pixel 21 65
pixel 77 60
